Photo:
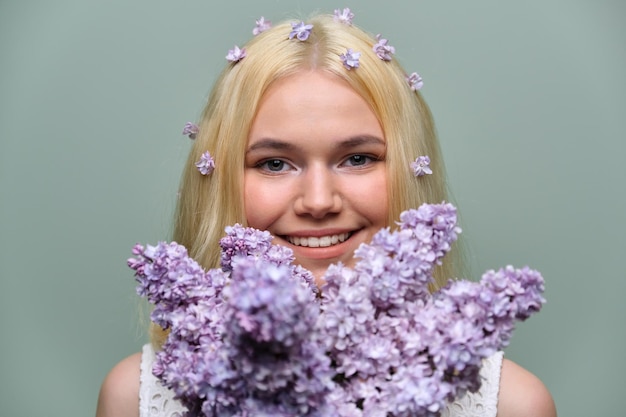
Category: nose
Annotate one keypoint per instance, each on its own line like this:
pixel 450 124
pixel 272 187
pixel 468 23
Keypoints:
pixel 319 193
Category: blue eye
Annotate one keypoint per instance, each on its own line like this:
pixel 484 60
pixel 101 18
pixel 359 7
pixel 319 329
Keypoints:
pixel 274 165
pixel 358 160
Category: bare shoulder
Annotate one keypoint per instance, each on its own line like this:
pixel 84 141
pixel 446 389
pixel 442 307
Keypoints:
pixel 119 394
pixel 522 394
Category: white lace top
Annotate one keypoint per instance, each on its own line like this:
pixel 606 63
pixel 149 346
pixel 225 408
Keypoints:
pixel 155 400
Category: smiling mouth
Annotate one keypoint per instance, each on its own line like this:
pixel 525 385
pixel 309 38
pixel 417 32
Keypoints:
pixel 318 242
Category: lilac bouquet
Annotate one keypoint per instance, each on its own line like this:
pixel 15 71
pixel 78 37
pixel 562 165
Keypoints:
pixel 256 337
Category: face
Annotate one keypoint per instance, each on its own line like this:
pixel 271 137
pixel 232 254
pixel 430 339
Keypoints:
pixel 315 174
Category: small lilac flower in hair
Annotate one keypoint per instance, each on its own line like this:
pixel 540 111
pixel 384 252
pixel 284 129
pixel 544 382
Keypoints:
pixel 261 26
pixel 191 130
pixel 350 59
pixel 382 49
pixel 300 31
pixel 415 81
pixel 421 166
pixel 343 16
pixel 236 54
pixel 206 164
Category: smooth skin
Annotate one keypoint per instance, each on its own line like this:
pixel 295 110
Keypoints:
pixel 315 178
pixel 315 168
pixel 119 394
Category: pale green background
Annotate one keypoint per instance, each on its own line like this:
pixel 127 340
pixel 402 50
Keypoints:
pixel 530 101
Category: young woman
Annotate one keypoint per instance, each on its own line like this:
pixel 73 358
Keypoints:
pixel 312 142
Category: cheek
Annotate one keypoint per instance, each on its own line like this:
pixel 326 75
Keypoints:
pixel 253 216
pixel 262 206
pixel 372 199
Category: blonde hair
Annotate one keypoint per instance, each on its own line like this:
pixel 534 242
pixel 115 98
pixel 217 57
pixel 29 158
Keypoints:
pixel 208 204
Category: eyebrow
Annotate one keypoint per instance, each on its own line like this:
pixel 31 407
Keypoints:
pixel 270 143
pixel 361 140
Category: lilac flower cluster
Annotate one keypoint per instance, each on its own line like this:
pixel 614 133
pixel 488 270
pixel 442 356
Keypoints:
pixel 300 31
pixel 236 54
pixel 191 130
pixel 256 336
pixel 421 166
pixel 415 81
pixel 344 16
pixel 350 59
pixel 206 164
pixel 382 48
pixel 261 26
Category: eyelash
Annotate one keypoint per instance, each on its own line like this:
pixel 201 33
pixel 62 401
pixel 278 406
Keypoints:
pixel 365 159
pixel 362 160
pixel 264 165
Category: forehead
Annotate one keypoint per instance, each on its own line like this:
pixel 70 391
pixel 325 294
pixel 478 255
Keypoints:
pixel 313 102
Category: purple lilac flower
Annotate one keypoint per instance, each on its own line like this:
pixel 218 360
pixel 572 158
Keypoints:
pixel 255 338
pixel 421 166
pixel 270 317
pixel 300 30
pixel 243 242
pixel 415 81
pixel 268 305
pixel 191 130
pixel 206 164
pixel 261 25
pixel 350 59
pixel 248 243
pixel 236 54
pixel 382 48
pixel 344 16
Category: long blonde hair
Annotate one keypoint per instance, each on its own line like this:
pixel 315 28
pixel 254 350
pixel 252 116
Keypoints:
pixel 208 204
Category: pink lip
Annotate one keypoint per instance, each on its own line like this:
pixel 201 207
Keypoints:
pixel 333 253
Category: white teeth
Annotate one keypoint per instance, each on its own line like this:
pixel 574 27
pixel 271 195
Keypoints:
pixel 316 242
